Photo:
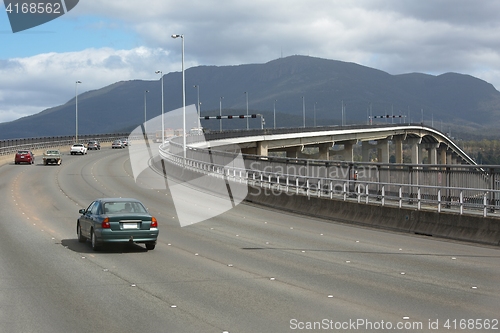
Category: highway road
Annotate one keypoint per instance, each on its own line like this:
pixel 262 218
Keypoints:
pixel 250 269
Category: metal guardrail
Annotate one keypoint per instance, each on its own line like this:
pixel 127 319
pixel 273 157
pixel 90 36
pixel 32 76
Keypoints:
pixel 421 187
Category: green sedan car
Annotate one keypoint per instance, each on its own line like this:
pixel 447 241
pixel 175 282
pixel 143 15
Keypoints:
pixel 117 220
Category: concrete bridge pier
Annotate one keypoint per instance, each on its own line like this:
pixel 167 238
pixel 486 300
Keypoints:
pixel 451 157
pixel 348 153
pixel 442 154
pixel 449 154
pixel 262 148
pixel 432 152
pixel 365 151
pixel 383 151
pixel 415 149
pixel 324 151
pixel 398 143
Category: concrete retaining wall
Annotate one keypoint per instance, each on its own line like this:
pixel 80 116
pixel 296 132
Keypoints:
pixel 446 225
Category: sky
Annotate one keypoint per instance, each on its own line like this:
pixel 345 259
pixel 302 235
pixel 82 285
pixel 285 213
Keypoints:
pixel 100 42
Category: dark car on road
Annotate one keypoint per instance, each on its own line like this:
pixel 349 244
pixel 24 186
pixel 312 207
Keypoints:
pixel 93 145
pixel 24 156
pixel 117 220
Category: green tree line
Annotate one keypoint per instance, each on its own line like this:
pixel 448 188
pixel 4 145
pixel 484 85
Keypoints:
pixel 483 151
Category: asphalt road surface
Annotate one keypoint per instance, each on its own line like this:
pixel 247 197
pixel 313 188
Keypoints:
pixel 250 269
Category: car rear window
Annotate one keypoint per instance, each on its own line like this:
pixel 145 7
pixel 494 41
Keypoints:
pixel 23 152
pixel 124 207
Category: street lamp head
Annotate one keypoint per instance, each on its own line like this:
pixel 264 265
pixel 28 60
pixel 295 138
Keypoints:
pixel 177 36
pixel 78 81
pixel 157 72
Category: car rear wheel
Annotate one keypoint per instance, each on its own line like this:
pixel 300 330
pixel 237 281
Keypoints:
pixel 95 245
pixel 81 238
pixel 150 246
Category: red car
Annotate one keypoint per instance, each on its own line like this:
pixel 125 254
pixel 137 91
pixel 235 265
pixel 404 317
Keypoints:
pixel 24 156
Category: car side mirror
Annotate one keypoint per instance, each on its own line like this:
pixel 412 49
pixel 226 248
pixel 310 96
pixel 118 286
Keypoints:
pixel 81 211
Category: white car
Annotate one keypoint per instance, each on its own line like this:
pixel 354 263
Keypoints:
pixel 117 144
pixel 78 148
pixel 125 141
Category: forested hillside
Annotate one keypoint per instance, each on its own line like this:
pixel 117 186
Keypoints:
pixel 484 151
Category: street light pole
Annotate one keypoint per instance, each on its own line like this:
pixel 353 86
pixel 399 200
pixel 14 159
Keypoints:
pixel 246 95
pixel 199 105
pixel 145 116
pixel 220 114
pixel 162 110
pixel 304 110
pixel 76 110
pixel 183 98
pixel 343 110
pixel 314 114
pixel 274 113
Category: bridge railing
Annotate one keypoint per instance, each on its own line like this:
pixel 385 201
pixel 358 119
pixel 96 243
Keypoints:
pixel 459 188
pixel 227 134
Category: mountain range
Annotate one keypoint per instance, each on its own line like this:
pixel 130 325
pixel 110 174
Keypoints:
pixel 290 85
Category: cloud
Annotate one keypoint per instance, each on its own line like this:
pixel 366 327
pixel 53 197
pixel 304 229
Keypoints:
pixel 13 113
pixel 392 35
pixel 453 12
pixel 29 85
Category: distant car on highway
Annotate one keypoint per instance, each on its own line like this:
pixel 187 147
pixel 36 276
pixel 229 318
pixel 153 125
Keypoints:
pixel 117 144
pixel 91 145
pixel 52 156
pixel 24 156
pixel 126 142
pixel 78 148
pixel 116 220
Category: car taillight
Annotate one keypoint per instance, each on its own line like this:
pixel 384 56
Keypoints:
pixel 105 223
pixel 154 223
